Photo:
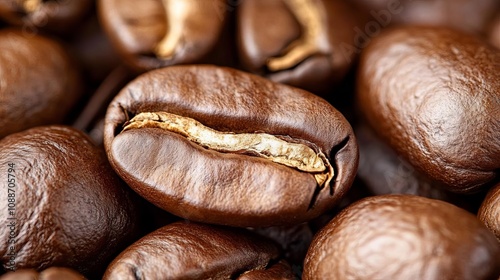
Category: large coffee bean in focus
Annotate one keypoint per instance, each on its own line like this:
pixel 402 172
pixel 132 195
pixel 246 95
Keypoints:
pixel 434 96
pixel 62 204
pixel 39 83
pixel 221 146
pixel 403 237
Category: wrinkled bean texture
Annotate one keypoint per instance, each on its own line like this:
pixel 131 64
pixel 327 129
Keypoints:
pixel 434 96
pixel 403 237
pixel 71 209
pixel 200 184
pixel 489 212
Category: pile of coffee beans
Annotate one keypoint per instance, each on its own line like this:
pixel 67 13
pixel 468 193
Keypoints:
pixel 250 139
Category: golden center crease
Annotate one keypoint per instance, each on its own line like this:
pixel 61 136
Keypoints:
pixel 294 155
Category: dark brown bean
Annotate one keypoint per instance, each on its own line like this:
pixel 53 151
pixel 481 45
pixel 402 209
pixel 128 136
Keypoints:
pixel 67 206
pixel 185 250
pixel 278 271
pixel 156 33
pixel 187 176
pixel 465 15
pixel 35 15
pixel 403 237
pixel 434 96
pixel 489 212
pixel 303 43
pixel 494 32
pixel 38 82
pixel 52 273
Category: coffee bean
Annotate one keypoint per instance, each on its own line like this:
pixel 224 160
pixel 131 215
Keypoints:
pixel 33 16
pixel 403 237
pixel 434 96
pixel 39 83
pixel 466 15
pixel 280 270
pixel 495 32
pixel 185 250
pixel 64 204
pixel 489 213
pixel 53 273
pixel 221 146
pixel 157 33
pixel 304 43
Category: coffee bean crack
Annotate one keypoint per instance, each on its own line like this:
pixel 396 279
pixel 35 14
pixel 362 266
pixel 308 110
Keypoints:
pixel 177 14
pixel 308 14
pixel 295 155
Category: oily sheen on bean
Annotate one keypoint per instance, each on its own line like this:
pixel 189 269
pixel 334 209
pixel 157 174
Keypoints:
pixel 157 33
pixel 489 212
pixel 309 45
pixel 39 84
pixel 186 250
pixel 434 96
pixel 403 237
pixel 69 208
pixel 171 133
pixel 52 273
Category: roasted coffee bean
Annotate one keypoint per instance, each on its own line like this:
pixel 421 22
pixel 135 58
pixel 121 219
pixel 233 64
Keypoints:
pixel 280 270
pixel 222 146
pixel 157 33
pixel 63 203
pixel 185 250
pixel 464 15
pixel 489 213
pixel 495 32
pixel 36 15
pixel 53 273
pixel 39 83
pixel 304 43
pixel 434 96
pixel 403 237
